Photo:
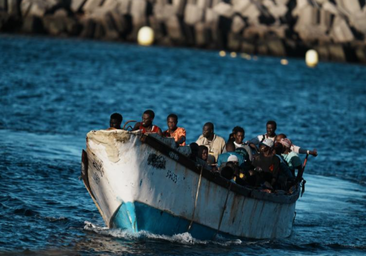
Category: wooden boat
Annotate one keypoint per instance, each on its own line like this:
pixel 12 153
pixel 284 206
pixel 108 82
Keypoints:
pixel 142 182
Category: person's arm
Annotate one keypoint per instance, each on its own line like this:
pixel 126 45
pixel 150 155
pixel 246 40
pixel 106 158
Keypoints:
pixel 182 136
pixel 136 127
pixel 299 150
pixel 159 132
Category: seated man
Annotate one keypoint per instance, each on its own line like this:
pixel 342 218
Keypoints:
pixel 115 121
pixel 271 127
pixel 267 165
pixel 146 126
pixel 292 159
pixel 214 143
pixel 238 135
pixel 178 133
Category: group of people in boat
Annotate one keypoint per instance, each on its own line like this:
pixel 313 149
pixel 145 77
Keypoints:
pixel 268 161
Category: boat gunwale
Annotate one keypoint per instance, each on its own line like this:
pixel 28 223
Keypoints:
pixel 218 179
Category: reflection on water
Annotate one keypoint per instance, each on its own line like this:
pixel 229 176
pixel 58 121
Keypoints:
pixel 55 91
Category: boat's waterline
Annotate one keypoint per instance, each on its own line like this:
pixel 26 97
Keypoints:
pixel 146 185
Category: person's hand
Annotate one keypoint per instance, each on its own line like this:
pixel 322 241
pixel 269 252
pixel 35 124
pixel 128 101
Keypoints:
pixel 314 152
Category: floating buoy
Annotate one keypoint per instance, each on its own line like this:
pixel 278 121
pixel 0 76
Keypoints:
pixel 222 53
pixel 145 36
pixel 245 56
pixel 311 58
pixel 284 62
pixel 233 55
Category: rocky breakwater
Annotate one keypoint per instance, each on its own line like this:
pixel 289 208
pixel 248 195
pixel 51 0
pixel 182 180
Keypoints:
pixel 335 28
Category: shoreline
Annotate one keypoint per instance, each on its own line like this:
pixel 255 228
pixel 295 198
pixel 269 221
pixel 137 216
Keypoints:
pixel 281 28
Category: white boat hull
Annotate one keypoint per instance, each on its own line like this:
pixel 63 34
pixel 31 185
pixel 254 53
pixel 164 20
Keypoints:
pixel 137 187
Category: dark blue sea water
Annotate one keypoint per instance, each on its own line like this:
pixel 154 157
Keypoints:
pixel 53 91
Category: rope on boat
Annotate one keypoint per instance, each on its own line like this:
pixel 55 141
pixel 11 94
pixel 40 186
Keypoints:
pixel 223 210
pixel 195 201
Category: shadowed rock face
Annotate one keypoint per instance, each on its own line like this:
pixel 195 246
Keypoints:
pixel 335 28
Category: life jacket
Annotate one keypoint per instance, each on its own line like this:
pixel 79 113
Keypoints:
pixel 154 129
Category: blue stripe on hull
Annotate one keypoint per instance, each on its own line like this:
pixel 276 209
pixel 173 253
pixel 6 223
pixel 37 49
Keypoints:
pixel 159 222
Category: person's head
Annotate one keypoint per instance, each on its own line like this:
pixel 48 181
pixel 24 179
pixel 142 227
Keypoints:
pixel 115 120
pixel 208 130
pixel 230 147
pixel 280 136
pixel 286 143
pixel 271 128
pixel 233 159
pixel 227 172
pixel 239 134
pixel 203 152
pixel 147 118
pixel 172 121
pixel 265 146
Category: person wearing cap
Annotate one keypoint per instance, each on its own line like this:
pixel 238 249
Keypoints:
pixel 115 121
pixel 292 159
pixel 267 164
pixel 271 127
pixel 230 156
pixel 214 143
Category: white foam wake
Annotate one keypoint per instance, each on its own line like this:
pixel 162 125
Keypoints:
pixel 183 238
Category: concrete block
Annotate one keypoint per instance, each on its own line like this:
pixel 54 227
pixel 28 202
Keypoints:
pixel 179 5
pixel 323 52
pixel 279 31
pixel 284 2
pixel 276 48
pixel 253 14
pixel 204 3
pixel 340 32
pixel 211 19
pixel 122 23
pixel 325 20
pixel 247 47
pixel 224 9
pixel 255 31
pixel 77 5
pixel 110 5
pixel 54 25
pixel 329 7
pixel 110 27
pixel 88 28
pixel 138 8
pixel 124 6
pixel 91 5
pixel 99 32
pixel 202 34
pixel 233 42
pixel 361 54
pixel 14 7
pixel 301 4
pixel 37 7
pixel 336 53
pixel 278 11
pixel 238 24
pixel 240 6
pixel 262 49
pixel 350 6
pixel 193 14
pixel 164 12
pixel 174 29
pixel 32 25
pixel 358 21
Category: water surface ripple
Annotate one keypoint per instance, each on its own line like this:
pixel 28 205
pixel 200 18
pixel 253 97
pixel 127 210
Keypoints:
pixel 54 91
